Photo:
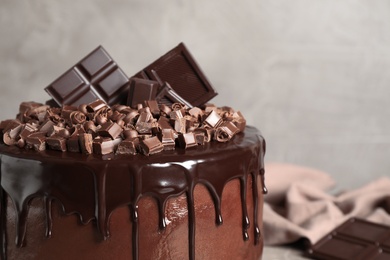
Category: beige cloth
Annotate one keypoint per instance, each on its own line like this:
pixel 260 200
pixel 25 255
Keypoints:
pixel 299 205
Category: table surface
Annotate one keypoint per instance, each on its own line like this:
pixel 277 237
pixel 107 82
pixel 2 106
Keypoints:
pixel 283 253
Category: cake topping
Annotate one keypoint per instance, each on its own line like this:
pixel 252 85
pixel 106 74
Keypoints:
pixel 95 125
pixel 183 75
pixel 97 76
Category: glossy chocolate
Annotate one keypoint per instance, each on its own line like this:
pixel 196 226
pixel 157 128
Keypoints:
pixel 97 76
pixel 141 90
pixel 179 69
pixel 355 239
pixel 93 186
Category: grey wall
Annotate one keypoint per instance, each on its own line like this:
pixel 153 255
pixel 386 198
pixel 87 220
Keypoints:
pixel 313 75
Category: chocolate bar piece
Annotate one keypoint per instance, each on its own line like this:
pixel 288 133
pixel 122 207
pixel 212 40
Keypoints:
pixel 179 69
pixel 97 76
pixel 141 90
pixel 354 239
pixel 151 145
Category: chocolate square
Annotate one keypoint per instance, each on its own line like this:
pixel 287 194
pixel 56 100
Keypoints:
pixel 97 76
pixel 179 69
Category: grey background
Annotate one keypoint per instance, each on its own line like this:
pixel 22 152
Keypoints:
pixel 312 75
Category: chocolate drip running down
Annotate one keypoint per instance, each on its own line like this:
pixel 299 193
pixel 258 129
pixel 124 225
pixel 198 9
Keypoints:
pixel 93 186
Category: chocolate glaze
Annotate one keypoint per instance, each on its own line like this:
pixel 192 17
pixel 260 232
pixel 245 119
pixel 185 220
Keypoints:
pixel 93 186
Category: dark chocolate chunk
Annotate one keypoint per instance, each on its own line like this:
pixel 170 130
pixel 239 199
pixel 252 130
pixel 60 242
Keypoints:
pixel 130 134
pixel 213 119
pixel 167 95
pixel 141 90
pixel 200 138
pixel 179 69
pixel 168 139
pixel 187 140
pixel 181 125
pixel 25 106
pixel 72 143
pixel 207 132
pixel 354 239
pixel 56 142
pixel 46 126
pixel 153 106
pixel 97 76
pixel 37 141
pixel 85 141
pixel 151 146
pixel 110 129
pixel 129 146
pixel 105 145
pixel 27 130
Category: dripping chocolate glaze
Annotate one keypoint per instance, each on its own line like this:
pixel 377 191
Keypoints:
pixel 85 184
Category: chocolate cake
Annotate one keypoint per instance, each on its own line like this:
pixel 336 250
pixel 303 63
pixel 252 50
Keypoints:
pixel 139 168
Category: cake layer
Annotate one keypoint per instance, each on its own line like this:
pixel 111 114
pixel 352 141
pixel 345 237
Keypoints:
pixel 165 200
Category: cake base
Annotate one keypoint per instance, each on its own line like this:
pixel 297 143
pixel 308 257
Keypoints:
pixel 199 203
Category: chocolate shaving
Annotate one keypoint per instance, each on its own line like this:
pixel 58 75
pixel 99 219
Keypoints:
pixel 100 129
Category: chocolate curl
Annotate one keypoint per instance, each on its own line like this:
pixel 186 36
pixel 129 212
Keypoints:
pixel 187 140
pixel 91 128
pixel 151 146
pixel 225 132
pixel 200 138
pixel 207 132
pixel 38 113
pixel 11 131
pixel 95 106
pixel 131 117
pixel 77 117
pixel 37 141
pixel 196 112
pixel 56 142
pixel 54 114
pixel 25 106
pixel 83 109
pixel 65 114
pixel 117 116
pixel 239 121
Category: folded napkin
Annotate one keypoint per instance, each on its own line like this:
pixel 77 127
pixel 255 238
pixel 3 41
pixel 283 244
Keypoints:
pixel 299 205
